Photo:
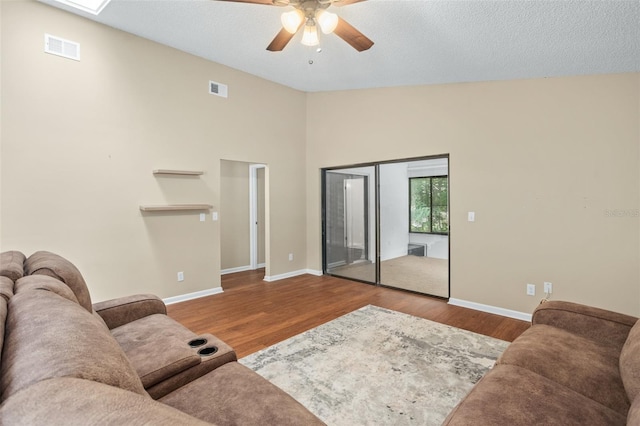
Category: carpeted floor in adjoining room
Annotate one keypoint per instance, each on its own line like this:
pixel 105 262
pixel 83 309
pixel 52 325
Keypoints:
pixel 426 275
pixel 375 366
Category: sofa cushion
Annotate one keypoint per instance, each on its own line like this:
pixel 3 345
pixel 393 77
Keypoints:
pixel 630 363
pixel 76 402
pixel 606 327
pixel 12 265
pixel 44 282
pixel 234 395
pixel 633 418
pixel 48 336
pixel 53 265
pixel 6 287
pixel 3 320
pixel 579 363
pixel 514 396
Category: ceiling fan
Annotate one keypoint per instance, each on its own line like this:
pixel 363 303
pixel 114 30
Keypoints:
pixel 311 14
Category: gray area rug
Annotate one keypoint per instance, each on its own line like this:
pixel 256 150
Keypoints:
pixel 375 366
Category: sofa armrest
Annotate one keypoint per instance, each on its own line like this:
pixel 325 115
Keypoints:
pixel 600 325
pixel 117 312
pixel 166 356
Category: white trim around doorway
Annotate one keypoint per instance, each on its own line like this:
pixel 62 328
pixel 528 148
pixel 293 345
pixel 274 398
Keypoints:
pixel 253 215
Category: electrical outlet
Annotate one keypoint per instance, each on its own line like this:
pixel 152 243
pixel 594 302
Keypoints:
pixel 548 287
pixel 290 257
pixel 180 276
pixel 531 289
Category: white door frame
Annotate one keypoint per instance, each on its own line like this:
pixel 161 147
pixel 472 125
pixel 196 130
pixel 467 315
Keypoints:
pixel 253 214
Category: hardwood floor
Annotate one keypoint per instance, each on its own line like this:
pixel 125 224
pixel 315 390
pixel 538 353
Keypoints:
pixel 253 314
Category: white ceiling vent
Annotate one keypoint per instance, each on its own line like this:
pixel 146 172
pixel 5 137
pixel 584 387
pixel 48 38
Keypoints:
pixel 61 47
pixel 218 89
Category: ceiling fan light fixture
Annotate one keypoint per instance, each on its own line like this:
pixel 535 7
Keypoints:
pixel 291 20
pixel 328 21
pixel 310 35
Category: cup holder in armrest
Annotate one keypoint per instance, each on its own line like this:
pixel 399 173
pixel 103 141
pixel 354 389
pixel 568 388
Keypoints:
pixel 197 342
pixel 210 350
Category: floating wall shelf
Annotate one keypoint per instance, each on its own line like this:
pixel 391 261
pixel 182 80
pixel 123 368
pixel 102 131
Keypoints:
pixel 178 172
pixel 176 207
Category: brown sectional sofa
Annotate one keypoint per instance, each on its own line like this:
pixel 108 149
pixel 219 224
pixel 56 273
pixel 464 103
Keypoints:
pixel 576 365
pixel 68 361
pixel 65 360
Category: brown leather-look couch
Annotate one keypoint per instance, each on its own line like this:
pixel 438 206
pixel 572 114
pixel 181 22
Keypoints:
pixel 576 365
pixel 67 361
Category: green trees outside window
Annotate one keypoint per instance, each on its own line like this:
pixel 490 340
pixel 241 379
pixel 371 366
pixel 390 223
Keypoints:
pixel 429 205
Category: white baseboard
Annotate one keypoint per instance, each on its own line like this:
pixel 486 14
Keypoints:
pixel 190 296
pixel 234 270
pixel 241 269
pixel 491 309
pixel 315 272
pixel 270 278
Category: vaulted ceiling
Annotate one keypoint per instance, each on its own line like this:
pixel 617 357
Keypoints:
pixel 416 41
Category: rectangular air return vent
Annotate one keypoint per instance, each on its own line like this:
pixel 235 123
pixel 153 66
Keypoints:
pixel 61 47
pixel 218 89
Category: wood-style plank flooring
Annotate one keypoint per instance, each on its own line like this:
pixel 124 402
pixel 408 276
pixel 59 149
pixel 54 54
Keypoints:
pixel 252 314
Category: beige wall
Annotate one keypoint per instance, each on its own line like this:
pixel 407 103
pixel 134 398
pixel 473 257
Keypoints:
pixel 541 162
pixel 234 214
pixel 80 139
pixel 235 244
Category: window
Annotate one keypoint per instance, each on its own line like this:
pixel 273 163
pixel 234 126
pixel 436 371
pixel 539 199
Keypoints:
pixel 429 205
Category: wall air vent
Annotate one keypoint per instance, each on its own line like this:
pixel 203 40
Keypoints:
pixel 218 89
pixel 61 47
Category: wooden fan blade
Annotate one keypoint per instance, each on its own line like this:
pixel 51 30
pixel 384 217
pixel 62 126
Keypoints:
pixel 345 2
pixel 355 38
pixel 280 41
pixel 267 2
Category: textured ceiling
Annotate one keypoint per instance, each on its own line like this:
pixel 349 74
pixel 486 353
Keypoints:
pixel 416 41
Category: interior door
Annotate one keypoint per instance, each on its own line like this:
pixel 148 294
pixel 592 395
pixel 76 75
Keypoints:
pixel 346 225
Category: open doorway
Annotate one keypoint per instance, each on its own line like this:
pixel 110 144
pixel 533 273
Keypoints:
pixel 242 219
pixel 414 225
